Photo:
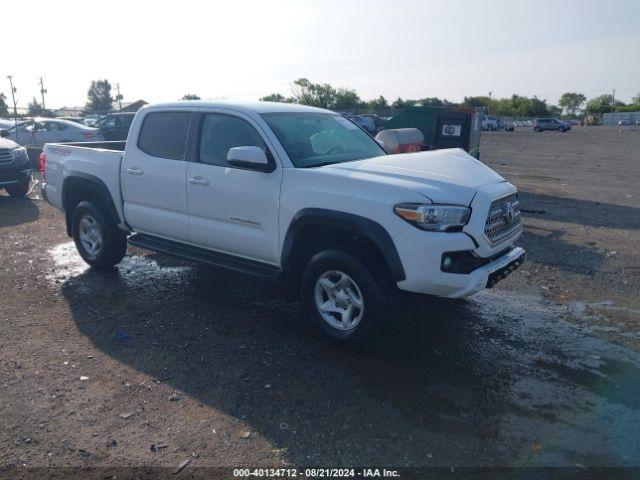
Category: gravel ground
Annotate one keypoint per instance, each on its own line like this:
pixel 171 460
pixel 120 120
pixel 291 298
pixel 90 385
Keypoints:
pixel 581 193
pixel 163 361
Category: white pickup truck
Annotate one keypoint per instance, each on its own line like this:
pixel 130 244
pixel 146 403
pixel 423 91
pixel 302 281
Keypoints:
pixel 293 194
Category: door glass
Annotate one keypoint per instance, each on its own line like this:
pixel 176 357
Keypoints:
pixel 222 132
pixel 164 134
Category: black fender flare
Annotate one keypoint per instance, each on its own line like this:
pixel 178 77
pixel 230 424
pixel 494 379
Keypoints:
pixel 350 222
pixel 93 183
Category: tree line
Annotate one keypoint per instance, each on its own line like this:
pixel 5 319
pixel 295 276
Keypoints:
pixel 324 95
pixel 572 104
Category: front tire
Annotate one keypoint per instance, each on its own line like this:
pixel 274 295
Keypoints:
pixel 561 129
pixel 342 296
pixel 98 239
pixel 21 189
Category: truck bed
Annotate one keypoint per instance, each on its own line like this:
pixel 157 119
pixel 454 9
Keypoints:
pixel 99 161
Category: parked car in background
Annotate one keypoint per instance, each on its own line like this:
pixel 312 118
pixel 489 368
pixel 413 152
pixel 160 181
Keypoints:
pixel 540 124
pixel 329 215
pixel 378 122
pixel 15 169
pixel 115 126
pixel 364 122
pixel 626 122
pixel 38 131
pixel 490 123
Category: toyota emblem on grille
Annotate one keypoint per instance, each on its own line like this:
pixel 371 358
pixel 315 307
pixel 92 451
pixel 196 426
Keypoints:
pixel 507 212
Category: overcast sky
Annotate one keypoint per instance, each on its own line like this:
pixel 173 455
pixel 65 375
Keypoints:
pixel 239 49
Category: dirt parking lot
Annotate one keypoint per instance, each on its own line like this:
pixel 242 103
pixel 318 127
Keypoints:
pixel 163 361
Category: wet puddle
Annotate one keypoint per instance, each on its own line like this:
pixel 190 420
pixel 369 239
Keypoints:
pixel 69 265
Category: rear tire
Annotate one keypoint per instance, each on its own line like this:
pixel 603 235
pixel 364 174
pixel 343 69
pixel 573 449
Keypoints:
pixel 537 129
pixel 21 189
pixel 342 296
pixel 98 239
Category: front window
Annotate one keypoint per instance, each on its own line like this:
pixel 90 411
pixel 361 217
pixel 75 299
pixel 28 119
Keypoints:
pixel 220 133
pixel 315 139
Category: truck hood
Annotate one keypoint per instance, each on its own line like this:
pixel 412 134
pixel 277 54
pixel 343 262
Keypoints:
pixel 443 176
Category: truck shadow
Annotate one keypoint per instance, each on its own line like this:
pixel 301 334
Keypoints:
pixel 443 372
pixel 547 246
pixel 582 212
pixel 16 211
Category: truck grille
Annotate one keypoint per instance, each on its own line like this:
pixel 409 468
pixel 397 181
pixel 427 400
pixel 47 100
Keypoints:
pixel 5 156
pixel 504 218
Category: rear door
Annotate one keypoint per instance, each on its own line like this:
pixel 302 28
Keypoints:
pixel 154 172
pixel 232 210
pixel 453 130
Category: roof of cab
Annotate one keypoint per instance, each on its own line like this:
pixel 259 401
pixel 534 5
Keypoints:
pixel 247 107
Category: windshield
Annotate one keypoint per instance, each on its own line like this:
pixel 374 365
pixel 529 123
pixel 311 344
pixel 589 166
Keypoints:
pixel 315 139
pixel 22 126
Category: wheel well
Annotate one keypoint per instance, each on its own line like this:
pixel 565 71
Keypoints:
pixel 76 190
pixel 312 239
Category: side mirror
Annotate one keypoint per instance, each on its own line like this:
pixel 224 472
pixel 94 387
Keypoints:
pixel 4 133
pixel 252 158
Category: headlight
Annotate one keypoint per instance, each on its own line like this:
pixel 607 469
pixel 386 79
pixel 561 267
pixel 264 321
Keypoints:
pixel 436 218
pixel 20 154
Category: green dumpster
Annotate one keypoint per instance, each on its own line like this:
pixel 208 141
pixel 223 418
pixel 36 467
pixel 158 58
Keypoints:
pixel 443 127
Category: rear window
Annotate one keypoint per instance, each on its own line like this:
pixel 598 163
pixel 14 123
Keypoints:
pixel 164 134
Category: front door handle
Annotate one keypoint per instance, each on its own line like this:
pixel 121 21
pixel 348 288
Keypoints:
pixel 135 171
pixel 203 182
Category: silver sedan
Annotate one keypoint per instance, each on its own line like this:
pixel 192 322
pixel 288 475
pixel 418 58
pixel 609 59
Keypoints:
pixel 38 131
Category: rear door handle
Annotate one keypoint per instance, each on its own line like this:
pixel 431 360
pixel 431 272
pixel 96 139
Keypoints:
pixel 135 171
pixel 203 182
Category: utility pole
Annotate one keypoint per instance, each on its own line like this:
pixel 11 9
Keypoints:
pixel 118 96
pixel 42 92
pixel 490 92
pixel 613 103
pixel 15 109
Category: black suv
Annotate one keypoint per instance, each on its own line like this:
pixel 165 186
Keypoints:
pixel 15 169
pixel 115 126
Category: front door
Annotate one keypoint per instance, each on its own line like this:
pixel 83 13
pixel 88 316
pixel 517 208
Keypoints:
pixel 154 175
pixel 232 210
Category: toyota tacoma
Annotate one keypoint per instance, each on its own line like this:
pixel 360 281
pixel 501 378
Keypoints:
pixel 293 194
